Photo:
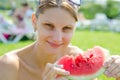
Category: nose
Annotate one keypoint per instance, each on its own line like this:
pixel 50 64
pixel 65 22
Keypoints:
pixel 57 36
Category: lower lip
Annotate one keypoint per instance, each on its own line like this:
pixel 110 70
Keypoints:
pixel 54 45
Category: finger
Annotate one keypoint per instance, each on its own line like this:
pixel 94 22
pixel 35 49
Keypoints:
pixel 57 65
pixel 116 70
pixel 60 71
pixel 62 78
pixel 113 69
pixel 116 75
pixel 114 66
pixel 109 71
pixel 110 60
pixel 56 71
pixel 47 68
pixel 52 74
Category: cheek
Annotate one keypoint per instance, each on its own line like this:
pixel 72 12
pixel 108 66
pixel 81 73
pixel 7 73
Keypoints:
pixel 68 37
pixel 43 34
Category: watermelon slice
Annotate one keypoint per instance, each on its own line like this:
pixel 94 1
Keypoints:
pixel 85 66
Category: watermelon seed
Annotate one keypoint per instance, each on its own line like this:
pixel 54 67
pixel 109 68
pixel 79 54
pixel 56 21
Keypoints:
pixel 91 55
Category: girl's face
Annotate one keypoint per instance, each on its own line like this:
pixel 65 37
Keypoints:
pixel 55 29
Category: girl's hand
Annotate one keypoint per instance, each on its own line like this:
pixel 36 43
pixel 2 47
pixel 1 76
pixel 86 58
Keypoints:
pixel 52 71
pixel 112 66
pixel 74 50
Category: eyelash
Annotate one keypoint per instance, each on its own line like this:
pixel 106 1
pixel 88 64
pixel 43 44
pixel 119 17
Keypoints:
pixel 49 26
pixel 67 28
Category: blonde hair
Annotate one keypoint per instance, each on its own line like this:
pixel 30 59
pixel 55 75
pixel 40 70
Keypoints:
pixel 46 4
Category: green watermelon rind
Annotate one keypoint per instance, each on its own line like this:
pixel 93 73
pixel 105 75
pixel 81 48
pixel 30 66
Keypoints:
pixel 88 77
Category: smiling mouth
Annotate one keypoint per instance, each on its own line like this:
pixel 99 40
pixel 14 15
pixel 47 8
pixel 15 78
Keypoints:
pixel 54 45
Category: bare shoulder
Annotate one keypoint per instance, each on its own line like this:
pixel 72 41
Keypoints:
pixel 9 65
pixel 73 50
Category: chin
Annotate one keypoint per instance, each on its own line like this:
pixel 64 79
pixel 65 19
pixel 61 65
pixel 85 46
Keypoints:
pixel 54 50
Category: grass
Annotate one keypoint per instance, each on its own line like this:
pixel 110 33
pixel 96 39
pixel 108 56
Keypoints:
pixel 84 40
pixel 4 48
pixel 108 40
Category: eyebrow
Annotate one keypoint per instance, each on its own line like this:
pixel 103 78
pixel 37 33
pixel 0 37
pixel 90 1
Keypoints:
pixel 69 25
pixel 46 21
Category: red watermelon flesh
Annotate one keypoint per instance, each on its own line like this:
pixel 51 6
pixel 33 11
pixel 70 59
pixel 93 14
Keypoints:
pixel 85 64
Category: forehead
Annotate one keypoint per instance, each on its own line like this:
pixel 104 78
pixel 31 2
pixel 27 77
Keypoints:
pixel 57 15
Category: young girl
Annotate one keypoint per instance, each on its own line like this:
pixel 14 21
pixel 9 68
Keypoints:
pixel 54 22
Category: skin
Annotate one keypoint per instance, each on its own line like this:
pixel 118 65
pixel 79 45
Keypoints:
pixel 38 60
pixel 112 66
pixel 54 35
